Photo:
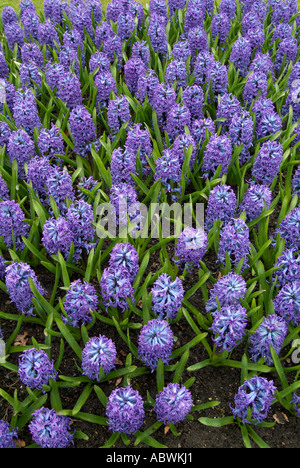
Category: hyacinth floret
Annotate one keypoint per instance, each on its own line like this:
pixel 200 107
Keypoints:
pixel 218 152
pixel 167 296
pixel 125 410
pixel 287 302
pixel 125 255
pixel 8 434
pixel 57 236
pixel 271 332
pixel 289 229
pixel 228 290
pixel 254 395
pixel 116 287
pixel 190 247
pixel 18 287
pixel 12 224
pixel 80 299
pixel 288 267
pixel 35 368
pixel 257 198
pixel 155 342
pixel 98 352
pixel 50 429
pixel 221 205
pixel 173 403
pixel 228 326
pixel 235 242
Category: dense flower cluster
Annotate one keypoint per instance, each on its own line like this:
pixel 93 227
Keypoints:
pixel 167 296
pixel 228 326
pixel 50 429
pixel 173 403
pixel 155 342
pixel 99 352
pixel 35 368
pixel 125 410
pixel 80 299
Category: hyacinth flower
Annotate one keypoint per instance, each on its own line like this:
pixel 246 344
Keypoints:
pixel 177 71
pixel 5 133
pixel 31 24
pixel 138 139
pixel 105 84
pixel 125 410
pixel 228 327
pixel 38 171
pixel 229 290
pixel 175 5
pixel 18 287
pixel 178 117
pixel 12 224
pixel 167 296
pixel 289 229
pixel 240 55
pixel 262 63
pixel 157 33
pixel 195 14
pixel 253 400
pixel 4 70
pixel 80 218
pixel 82 129
pixel 287 302
pixel 124 200
pixel 99 352
pixel 228 7
pixel 57 236
pixel 53 10
pixel 155 342
pixel 20 147
pixel 241 132
pixel 50 429
pixel 218 152
pixel 220 26
pixel 59 186
pixel 30 52
pixel 199 128
pixel 288 267
pixel 50 142
pixel 197 39
pixel 8 15
pixel 25 111
pixel 99 60
pixel 221 205
pixel 271 332
pixel 267 162
pixel 296 182
pixel 193 98
pixel 133 69
pixel 173 403
pixel 14 34
pixel 2 276
pixel 35 368
pixel 190 248
pixel 140 49
pixel 168 170
pixel 69 89
pixel 257 198
pixel 203 62
pixel 228 106
pixel 159 7
pixel 80 299
pixel 217 77
pixel 4 191
pixel 255 86
pixel 126 24
pixel 8 435
pixel 235 242
pixel 118 113
pixel 122 165
pixel 268 124
pixel 287 48
pixel 116 287
pixel 181 145
pixel 125 255
pixel 164 99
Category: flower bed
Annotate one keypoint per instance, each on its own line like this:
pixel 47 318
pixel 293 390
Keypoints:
pixel 149 223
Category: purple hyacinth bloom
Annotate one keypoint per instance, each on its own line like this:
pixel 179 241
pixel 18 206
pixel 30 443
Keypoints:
pixel 164 98
pixel 118 113
pixel 203 62
pixel 25 111
pixel 178 117
pixel 195 14
pixel 287 302
pixel 53 72
pixel 31 23
pixel 14 34
pixel 140 49
pixel 4 70
pixel 168 170
pixel 256 199
pixel 126 24
pixel 241 132
pixel 268 124
pixel 8 434
pixel 159 7
pixel 175 5
pixel 193 98
pixel 255 86
pixel 267 162
pixel 229 290
pixel 197 38
pixel 18 287
pixel 88 184
pixel 240 55
pixel 53 10
pixel 262 63
pixel 181 50
pixel 256 37
pixel 12 224
pixel 57 236
pixel 167 296
pixel 5 133
pixel 68 59
pixel 234 241
pixel 38 171
pixel 10 93
pixel 271 332
pixel 176 71
pixel 218 151
pixel 30 52
pixel 124 200
pixel 288 264
pixel 228 106
pixel 4 191
pixel 155 342
pixel 50 142
pixel 104 31
pixel 50 429
pixel 99 352
pixel 228 7
pixel 199 128
pixel 101 61
pixel 221 205
pixel 173 403
pixel 47 35
pixel 288 49
pixel 30 75
pixel 80 218
pixel 228 327
pixel 125 410
pixel 80 15
pixel 82 129
pixel 157 33
pixel 125 255
pixel 289 229
pixel 8 15
pixel 106 84
pixel 220 26
pixel 133 69
pixel 35 368
pixel 69 89
pixel 138 139
pixel 122 165
pixel 80 299
pixel 254 395
pixel 217 76
pixel 59 186
pixel 21 148
pixel 181 145
pixel 116 287
pixel 112 47
pixel 250 21
pixel 295 180
pixel 2 278
pixel 190 247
